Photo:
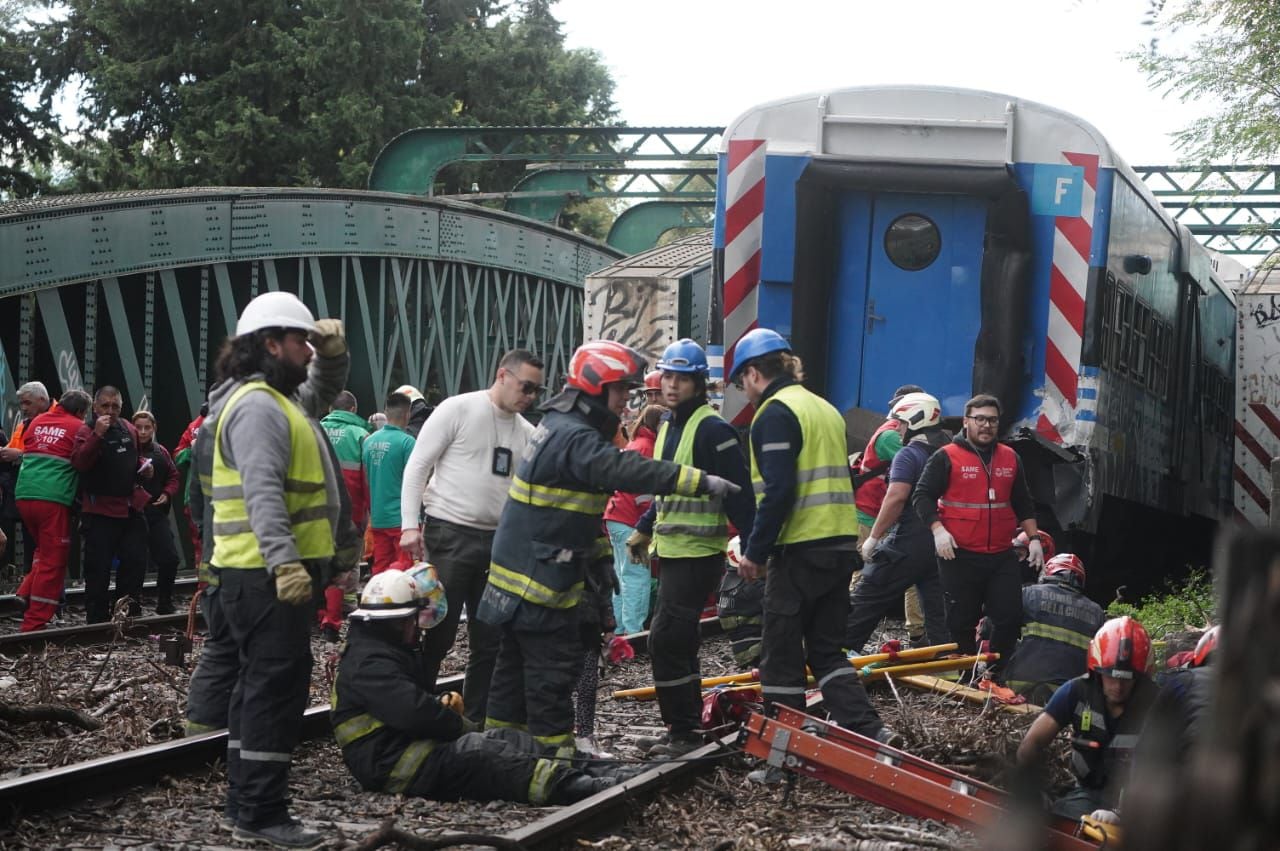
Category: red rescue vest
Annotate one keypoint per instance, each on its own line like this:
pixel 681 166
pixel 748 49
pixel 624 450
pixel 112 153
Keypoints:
pixel 975 508
pixel 870 494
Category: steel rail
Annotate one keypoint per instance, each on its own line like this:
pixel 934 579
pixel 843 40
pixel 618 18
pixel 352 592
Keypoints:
pixel 93 633
pixel 11 603
pixel 145 765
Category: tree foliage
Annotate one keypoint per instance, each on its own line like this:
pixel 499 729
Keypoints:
pixel 1233 64
pixel 296 92
pixel 25 141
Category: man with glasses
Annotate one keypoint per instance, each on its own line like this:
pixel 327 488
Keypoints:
pixel 973 495
pixel 459 474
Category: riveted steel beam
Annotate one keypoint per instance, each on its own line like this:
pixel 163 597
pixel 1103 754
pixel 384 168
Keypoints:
pixel 411 162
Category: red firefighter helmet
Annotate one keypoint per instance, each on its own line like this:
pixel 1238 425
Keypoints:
pixel 721 707
pixel 1066 567
pixel 1205 647
pixel 653 380
pixel 1120 649
pixel 601 362
pixel 1046 544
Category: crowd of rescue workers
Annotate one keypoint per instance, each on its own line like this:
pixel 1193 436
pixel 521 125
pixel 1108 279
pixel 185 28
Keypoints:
pixel 631 493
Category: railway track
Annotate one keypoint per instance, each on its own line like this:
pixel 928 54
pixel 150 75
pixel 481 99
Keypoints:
pixel 149 766
pixel 97 633
pixel 10 604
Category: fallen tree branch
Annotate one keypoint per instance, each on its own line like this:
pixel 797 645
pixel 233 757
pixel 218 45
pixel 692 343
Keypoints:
pixel 48 712
pixel 389 834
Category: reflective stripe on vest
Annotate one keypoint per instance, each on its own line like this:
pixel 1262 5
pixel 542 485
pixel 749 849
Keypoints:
pixel 524 587
pixel 1056 633
pixel 975 508
pixel 359 726
pixel 583 502
pixel 823 506
pixel 689 526
pixel 305 497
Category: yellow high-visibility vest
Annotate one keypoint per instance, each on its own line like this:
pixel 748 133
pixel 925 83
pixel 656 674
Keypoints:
pixel 305 496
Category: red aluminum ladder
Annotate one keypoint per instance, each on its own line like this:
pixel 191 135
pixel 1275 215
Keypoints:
pixel 886 776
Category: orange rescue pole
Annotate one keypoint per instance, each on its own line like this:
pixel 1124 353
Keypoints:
pixel 649 692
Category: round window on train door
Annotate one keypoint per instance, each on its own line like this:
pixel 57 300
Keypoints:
pixel 912 242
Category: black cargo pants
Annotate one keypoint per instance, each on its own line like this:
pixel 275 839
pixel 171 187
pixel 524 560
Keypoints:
pixel 106 539
pixel 683 588
pixel 461 557
pixel 879 593
pixel 273 641
pixel 806 602
pixel 209 692
pixel 975 584
pixel 539 661
pixel 163 552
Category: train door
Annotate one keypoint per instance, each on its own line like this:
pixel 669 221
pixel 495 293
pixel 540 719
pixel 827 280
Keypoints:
pixel 907 301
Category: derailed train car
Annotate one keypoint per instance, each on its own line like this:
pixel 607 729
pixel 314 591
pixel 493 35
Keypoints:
pixel 974 242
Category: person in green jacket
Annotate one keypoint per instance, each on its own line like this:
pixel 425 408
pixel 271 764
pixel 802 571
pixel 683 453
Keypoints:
pixel 46 487
pixel 386 453
pixel 346 431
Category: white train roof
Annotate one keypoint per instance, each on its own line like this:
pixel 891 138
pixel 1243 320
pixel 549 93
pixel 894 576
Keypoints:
pixel 928 124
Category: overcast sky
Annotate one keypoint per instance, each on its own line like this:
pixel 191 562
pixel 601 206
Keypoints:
pixel 706 61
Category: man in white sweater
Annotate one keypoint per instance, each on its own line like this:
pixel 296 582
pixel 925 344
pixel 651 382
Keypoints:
pixel 463 460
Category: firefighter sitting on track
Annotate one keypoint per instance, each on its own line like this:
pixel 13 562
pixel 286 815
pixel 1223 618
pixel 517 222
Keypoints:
pixel 1105 709
pixel 399 738
pixel 550 534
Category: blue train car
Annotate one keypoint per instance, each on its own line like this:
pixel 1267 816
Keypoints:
pixel 975 242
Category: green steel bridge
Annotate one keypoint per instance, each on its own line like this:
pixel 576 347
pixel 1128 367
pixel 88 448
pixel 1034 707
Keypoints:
pixel 139 289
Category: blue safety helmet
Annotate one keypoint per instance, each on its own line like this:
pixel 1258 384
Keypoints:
pixel 684 356
pixel 756 342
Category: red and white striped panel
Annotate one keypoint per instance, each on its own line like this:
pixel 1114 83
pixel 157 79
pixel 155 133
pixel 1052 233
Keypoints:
pixel 1257 442
pixel 1068 280
pixel 743 233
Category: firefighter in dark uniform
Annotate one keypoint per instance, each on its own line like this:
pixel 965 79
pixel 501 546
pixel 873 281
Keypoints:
pixel 550 535
pixel 1106 710
pixel 1058 622
pixel 399 738
pixel 973 496
pixel 276 503
pixel 806 530
pixel 689 535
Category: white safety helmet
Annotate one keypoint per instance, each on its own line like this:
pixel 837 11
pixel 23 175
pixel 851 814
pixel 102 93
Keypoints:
pixel 275 310
pixel 918 410
pixel 734 552
pixel 410 391
pixel 432 602
pixel 389 594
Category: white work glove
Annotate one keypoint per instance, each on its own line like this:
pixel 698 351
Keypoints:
pixel 638 547
pixel 1035 554
pixel 869 547
pixel 1105 816
pixel 293 584
pixel 943 544
pixel 329 338
pixel 718 486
